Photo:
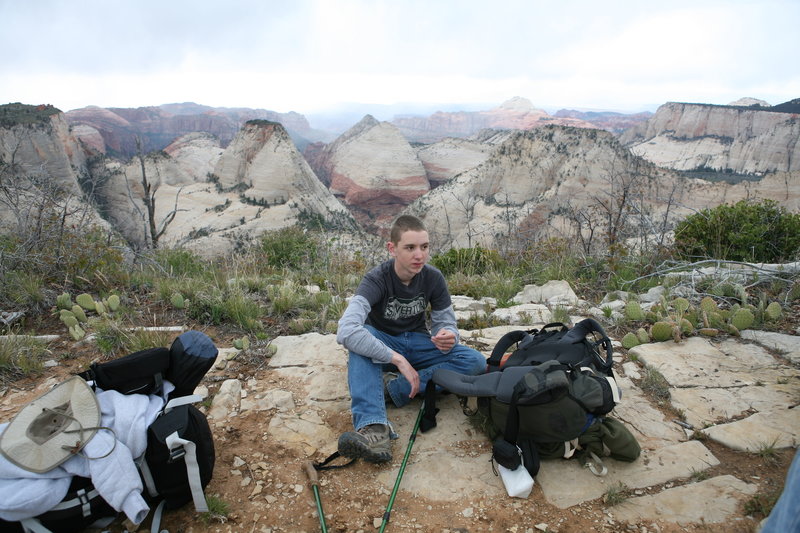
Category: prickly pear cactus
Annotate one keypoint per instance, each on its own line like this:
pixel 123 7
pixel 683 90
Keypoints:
pixel 681 305
pixel 661 331
pixel 741 293
pixel 64 301
pixel 773 311
pixel 79 313
pixel 86 301
pixel 708 332
pixel 742 319
pixel 633 311
pixel 714 319
pixel 68 319
pixel 77 332
pixel 630 340
pixel 177 301
pixel 708 305
pixel 687 328
pixel 643 336
pixel 651 317
pixel 113 302
pixel 100 308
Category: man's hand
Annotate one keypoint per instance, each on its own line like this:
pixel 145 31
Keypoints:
pixel 407 371
pixel 444 340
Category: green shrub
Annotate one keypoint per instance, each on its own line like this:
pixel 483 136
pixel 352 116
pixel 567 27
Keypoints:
pixel 746 231
pixel 290 248
pixel 476 260
pixel 177 262
pixel 500 284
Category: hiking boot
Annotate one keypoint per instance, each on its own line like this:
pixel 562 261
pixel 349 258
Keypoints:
pixel 371 443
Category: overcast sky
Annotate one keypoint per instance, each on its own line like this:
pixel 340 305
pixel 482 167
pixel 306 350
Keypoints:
pixel 311 55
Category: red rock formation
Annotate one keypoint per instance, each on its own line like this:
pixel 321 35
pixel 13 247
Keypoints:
pixel 515 114
pixel 158 126
pixel 373 170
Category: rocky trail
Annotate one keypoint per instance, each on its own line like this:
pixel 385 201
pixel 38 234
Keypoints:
pixel 270 415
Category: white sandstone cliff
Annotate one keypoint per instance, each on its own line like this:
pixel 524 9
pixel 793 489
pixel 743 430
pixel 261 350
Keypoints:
pixel 741 140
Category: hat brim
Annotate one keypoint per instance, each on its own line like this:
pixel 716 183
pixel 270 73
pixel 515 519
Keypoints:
pixel 52 428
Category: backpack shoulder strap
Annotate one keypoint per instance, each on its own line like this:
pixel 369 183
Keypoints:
pixel 502 345
pixel 583 328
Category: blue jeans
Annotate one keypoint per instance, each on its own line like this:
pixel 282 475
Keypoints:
pixel 365 377
pixel 785 516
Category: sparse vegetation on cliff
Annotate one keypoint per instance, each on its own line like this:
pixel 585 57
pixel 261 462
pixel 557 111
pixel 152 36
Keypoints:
pixel 747 231
pixel 17 113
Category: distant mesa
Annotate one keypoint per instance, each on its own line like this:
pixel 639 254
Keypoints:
pixel 518 113
pixel 748 102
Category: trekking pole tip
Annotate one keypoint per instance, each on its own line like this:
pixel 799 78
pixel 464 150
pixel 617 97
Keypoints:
pixel 311 472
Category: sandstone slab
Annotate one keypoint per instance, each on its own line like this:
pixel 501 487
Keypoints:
pixel 524 314
pixel 648 424
pixel 306 430
pixel 711 501
pixel 554 292
pixel 308 350
pixel 787 345
pixel 566 483
pixel 698 362
pixel 779 428
pixel 426 471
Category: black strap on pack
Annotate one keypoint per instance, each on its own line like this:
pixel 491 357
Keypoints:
pixel 332 457
pixel 429 416
pixel 584 328
pixel 505 342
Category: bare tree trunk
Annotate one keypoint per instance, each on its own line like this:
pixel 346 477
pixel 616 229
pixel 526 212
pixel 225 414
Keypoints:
pixel 149 199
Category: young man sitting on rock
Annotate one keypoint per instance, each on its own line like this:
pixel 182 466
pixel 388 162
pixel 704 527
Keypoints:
pixel 392 352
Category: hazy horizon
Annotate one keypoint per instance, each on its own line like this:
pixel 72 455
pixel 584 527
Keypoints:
pixel 314 56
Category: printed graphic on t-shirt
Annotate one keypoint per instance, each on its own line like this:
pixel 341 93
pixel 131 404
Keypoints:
pixel 398 308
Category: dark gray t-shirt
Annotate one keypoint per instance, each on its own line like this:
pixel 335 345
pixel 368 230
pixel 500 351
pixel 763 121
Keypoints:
pixel 383 302
pixel 398 308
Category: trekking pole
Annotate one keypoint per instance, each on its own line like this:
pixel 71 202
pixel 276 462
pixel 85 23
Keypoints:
pixel 388 512
pixel 312 476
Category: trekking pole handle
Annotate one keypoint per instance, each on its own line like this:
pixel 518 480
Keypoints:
pixel 311 472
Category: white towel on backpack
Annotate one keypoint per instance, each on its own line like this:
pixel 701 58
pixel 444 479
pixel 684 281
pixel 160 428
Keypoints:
pixel 25 494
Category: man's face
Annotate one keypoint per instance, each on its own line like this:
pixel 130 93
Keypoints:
pixel 410 253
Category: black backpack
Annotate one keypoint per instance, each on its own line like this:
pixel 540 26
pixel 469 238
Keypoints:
pixel 183 364
pixel 179 459
pixel 546 393
pixel 80 508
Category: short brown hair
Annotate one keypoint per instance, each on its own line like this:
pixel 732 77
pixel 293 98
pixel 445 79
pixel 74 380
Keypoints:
pixel 405 223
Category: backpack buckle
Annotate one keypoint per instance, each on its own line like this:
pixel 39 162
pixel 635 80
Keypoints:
pixel 175 454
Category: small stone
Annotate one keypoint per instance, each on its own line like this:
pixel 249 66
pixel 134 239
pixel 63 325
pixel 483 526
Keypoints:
pixel 298 488
pixel 245 482
pixel 237 462
pixel 541 527
pixel 466 513
pixel 376 522
pixel 256 490
pixel 270 499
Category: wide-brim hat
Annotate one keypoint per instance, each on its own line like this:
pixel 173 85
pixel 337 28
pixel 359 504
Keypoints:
pixel 52 428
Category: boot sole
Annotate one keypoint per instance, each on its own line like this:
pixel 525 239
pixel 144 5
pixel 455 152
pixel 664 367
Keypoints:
pixel 355 448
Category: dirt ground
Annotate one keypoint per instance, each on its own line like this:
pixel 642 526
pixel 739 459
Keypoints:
pixel 351 498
